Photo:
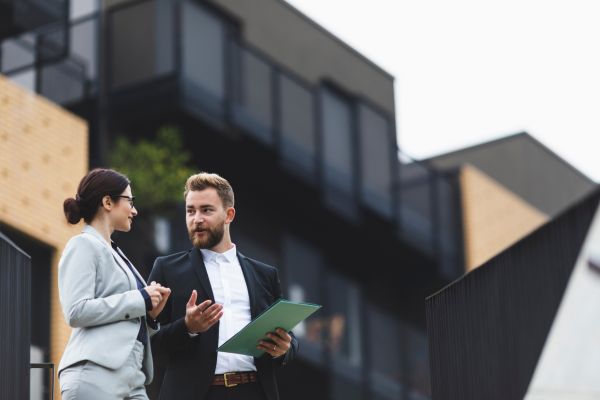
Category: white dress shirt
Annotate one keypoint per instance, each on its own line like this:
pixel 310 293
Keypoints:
pixel 230 290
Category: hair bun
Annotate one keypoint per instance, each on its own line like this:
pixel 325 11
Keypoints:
pixel 72 210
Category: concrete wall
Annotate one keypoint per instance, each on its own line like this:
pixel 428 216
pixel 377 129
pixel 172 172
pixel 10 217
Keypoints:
pixel 43 155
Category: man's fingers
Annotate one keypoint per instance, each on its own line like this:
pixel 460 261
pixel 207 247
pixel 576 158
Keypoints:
pixel 204 305
pixel 267 347
pixel 278 340
pixel 283 334
pixel 192 301
pixel 214 319
pixel 212 311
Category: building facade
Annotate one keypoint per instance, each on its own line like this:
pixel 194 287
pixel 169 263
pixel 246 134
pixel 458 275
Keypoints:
pixel 303 127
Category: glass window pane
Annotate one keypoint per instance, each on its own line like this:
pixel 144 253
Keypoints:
pixel 17 53
pixel 303 268
pixel 344 328
pixel 62 82
pixel 52 43
pixel 338 152
pixel 417 365
pixel 83 41
pixel 376 159
pixel 82 8
pixel 384 355
pixel 25 79
pixel 297 127
pixel 415 206
pixel 140 42
pixel 253 94
pixel 203 58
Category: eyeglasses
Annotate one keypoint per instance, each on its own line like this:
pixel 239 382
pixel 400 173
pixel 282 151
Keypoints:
pixel 129 199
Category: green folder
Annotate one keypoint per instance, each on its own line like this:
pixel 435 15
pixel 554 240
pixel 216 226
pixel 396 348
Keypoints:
pixel 283 314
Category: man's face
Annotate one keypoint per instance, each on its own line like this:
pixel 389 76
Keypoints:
pixel 205 218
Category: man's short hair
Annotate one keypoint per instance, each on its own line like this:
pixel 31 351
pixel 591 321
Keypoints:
pixel 205 180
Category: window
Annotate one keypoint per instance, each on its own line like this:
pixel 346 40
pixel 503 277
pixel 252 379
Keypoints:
pixel 297 127
pixel 384 355
pixel 253 100
pixel 338 159
pixel 140 42
pixel 303 268
pixel 376 152
pixel 203 58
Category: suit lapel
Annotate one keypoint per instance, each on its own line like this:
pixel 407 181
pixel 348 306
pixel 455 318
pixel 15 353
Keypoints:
pixel 125 268
pixel 251 283
pixel 200 270
pixel 134 269
pixel 120 263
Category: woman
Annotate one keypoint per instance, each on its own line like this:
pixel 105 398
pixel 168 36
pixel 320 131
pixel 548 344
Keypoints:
pixel 104 299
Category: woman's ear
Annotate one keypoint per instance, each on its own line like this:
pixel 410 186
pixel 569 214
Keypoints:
pixel 107 203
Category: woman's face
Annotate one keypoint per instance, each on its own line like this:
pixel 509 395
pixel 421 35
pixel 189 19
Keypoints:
pixel 123 211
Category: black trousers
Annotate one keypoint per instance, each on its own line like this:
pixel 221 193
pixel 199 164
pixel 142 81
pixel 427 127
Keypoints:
pixel 246 391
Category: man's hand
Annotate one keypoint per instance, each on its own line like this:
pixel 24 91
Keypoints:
pixel 199 318
pixel 159 296
pixel 280 343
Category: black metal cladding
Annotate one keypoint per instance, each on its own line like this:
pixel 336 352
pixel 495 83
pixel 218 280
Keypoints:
pixel 15 294
pixel 487 330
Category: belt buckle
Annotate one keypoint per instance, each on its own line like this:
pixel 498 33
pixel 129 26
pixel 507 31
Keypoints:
pixel 227 384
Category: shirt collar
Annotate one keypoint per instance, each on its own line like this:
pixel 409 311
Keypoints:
pixel 210 256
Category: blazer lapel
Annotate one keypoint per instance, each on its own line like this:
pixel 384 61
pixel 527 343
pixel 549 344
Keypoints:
pixel 200 270
pixel 125 268
pixel 134 269
pixel 93 232
pixel 251 283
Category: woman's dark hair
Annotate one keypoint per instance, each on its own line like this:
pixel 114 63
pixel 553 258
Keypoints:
pixel 92 188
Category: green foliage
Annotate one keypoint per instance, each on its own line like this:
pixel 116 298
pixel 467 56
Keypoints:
pixel 157 169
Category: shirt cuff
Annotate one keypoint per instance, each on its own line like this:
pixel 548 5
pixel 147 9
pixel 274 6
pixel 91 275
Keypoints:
pixel 152 324
pixel 147 299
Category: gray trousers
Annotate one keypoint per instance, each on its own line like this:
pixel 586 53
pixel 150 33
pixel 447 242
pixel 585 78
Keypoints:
pixel 90 381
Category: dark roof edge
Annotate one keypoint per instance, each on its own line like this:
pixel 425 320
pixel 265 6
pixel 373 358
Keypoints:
pixel 479 269
pixel 337 39
pixel 511 137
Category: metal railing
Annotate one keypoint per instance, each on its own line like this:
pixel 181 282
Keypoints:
pixel 49 366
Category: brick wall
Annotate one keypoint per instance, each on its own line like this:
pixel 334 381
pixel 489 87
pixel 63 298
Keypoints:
pixel 43 155
pixel 493 217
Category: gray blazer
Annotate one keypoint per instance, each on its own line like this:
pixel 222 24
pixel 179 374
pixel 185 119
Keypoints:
pixel 101 302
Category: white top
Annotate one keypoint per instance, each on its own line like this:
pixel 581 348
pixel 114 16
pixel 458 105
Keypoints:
pixel 230 290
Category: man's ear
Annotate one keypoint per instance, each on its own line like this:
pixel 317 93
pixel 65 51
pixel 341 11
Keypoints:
pixel 230 215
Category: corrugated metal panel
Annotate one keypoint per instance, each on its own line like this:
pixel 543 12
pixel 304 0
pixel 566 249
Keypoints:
pixel 15 294
pixel 487 330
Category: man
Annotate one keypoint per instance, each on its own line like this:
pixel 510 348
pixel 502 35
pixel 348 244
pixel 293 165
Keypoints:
pixel 231 289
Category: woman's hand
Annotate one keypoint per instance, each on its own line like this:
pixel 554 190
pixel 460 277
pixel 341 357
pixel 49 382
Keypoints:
pixel 159 296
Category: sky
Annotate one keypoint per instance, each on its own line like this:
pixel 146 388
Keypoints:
pixel 470 71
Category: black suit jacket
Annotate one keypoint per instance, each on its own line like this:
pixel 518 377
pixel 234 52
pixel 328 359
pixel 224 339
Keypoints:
pixel 191 361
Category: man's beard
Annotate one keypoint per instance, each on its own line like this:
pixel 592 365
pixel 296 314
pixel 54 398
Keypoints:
pixel 213 237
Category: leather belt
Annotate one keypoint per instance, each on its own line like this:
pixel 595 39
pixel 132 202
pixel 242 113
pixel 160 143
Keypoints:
pixel 230 379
